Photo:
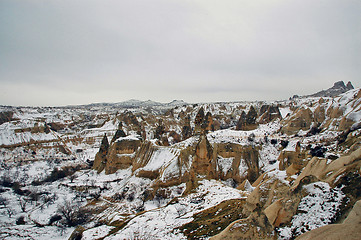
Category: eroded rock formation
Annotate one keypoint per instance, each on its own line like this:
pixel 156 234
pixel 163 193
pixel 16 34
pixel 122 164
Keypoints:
pixel 101 157
pixel 248 121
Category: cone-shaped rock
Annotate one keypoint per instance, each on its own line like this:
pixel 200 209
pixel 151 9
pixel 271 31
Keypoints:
pixel 101 157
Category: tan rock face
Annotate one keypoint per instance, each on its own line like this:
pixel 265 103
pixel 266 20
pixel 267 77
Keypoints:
pixel 319 114
pixel 241 121
pixel 269 114
pixel 295 158
pixel 269 205
pixel 273 212
pixel 101 157
pixel 302 120
pixel 121 155
pixel 345 124
pixel 203 123
pixel 203 163
pixel 329 173
pixel 132 123
pixel 251 155
pixel 143 155
pixel 334 112
pixel 208 122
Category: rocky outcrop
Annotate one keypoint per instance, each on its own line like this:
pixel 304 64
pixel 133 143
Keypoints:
pixel 302 120
pixel 203 163
pixel 234 154
pixel 121 154
pixel 241 121
pixel 338 88
pixel 330 172
pixel 319 114
pixel 203 123
pixel 208 122
pixel 245 229
pixel 268 206
pixel 143 154
pixel 269 113
pixel 187 129
pixel 292 161
pixel 198 121
pixel 159 130
pixel 129 120
pixel 273 202
pixel 250 154
pixel 101 157
pixel 119 133
pixel 174 137
pixel 56 126
pixel 247 121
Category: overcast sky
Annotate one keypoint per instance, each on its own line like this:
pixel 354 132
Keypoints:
pixel 56 52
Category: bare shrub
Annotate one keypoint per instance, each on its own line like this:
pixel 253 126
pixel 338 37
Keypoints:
pixel 72 214
pixel 23 203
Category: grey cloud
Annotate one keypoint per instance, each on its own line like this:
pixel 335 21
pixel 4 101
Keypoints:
pixel 195 50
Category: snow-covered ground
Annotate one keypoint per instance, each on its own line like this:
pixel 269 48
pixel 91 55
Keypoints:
pixel 33 190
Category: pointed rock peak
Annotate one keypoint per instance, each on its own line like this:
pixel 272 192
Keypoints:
pixel 201 112
pixel 252 110
pixel 252 115
pixel 118 134
pixel 105 144
pixel 338 88
pixel 199 116
pixel 339 84
pixel 349 85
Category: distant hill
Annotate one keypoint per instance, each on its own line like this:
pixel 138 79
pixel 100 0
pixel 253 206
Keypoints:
pixel 133 103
